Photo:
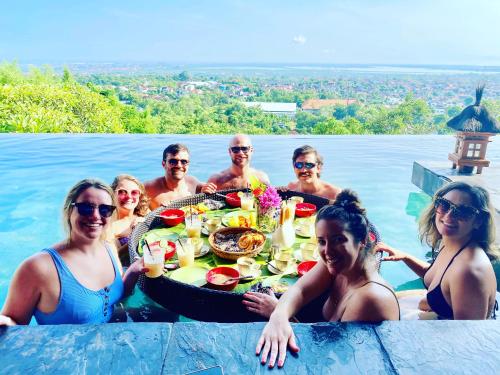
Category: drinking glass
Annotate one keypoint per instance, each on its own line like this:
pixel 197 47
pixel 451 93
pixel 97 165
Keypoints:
pixel 193 226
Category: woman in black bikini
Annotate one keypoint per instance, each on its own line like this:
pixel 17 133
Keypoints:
pixel 460 283
pixel 346 269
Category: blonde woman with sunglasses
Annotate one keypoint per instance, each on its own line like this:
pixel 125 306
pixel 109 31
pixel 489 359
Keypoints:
pixel 460 282
pixel 78 280
pixel 132 205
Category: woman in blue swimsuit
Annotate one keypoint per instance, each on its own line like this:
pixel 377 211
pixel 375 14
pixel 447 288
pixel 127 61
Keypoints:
pixel 346 270
pixel 460 282
pixel 77 280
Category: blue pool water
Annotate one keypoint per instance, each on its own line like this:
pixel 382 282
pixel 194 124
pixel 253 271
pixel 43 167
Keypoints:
pixel 36 171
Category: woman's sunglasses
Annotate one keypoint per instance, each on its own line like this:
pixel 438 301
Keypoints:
pixel 87 209
pixel 132 193
pixel 236 149
pixel 460 212
pixel 174 162
pixel 300 165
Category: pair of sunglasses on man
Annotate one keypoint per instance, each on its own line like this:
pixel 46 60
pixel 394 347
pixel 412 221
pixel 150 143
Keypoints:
pixel 237 149
pixel 174 162
pixel 300 165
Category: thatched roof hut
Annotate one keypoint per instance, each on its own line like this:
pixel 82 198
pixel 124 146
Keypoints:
pixel 475 118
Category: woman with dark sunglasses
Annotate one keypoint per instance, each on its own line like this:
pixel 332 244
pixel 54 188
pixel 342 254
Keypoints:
pixel 460 282
pixel 132 205
pixel 77 280
pixel 307 165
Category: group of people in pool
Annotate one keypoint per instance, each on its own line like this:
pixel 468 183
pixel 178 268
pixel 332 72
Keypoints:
pixel 79 279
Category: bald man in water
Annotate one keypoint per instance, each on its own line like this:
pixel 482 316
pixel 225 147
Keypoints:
pixel 237 176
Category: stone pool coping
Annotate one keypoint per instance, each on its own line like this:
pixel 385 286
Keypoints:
pixel 407 347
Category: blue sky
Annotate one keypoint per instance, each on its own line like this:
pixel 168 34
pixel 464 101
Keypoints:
pixel 457 32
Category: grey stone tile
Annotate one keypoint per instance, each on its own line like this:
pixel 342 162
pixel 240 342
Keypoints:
pixel 125 348
pixel 325 348
pixel 442 347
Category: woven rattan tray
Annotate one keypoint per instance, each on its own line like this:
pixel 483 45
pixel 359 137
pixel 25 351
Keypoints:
pixel 235 255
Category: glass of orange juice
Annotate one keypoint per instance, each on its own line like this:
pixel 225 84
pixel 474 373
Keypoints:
pixel 193 226
pixel 185 253
pixel 154 260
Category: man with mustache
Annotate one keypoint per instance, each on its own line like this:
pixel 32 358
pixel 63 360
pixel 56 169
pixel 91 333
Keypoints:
pixel 175 184
pixel 237 176
pixel 307 164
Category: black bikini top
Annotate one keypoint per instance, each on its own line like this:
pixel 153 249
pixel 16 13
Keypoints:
pixel 435 297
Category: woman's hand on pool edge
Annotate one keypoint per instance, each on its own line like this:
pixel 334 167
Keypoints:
pixel 273 341
pixel 260 303
pixel 394 254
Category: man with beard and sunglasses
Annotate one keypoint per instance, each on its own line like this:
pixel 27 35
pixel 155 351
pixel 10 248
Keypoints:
pixel 237 176
pixel 175 184
pixel 307 165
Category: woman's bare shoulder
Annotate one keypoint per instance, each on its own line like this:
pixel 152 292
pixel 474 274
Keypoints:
pixel 371 303
pixel 374 291
pixel 37 268
pixel 472 263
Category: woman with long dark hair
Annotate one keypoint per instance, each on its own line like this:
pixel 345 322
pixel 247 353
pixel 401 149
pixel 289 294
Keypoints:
pixel 346 269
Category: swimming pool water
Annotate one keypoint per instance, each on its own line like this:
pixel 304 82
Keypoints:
pixel 36 171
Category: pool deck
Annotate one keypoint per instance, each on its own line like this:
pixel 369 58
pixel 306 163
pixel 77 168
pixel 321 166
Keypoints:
pixel 408 347
pixel 431 175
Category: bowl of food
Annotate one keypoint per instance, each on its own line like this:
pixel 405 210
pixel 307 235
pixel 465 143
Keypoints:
pixel 305 267
pixel 305 209
pixel 233 199
pixel 172 217
pixel 232 243
pixel 223 278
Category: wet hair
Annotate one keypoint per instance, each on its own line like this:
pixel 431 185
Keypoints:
pixel 174 149
pixel 75 192
pixel 143 205
pixel 484 236
pixel 347 210
pixel 304 150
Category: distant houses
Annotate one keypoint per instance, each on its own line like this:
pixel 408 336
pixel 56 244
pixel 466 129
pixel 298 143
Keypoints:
pixel 281 109
pixel 290 109
pixel 315 105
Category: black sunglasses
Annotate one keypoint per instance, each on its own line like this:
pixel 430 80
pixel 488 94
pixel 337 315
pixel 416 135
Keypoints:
pixel 300 165
pixel 174 162
pixel 87 209
pixel 462 212
pixel 236 149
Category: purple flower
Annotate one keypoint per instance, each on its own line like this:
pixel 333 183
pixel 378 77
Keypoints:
pixel 270 198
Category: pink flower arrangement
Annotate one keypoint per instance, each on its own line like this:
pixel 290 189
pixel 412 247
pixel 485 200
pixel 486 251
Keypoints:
pixel 268 198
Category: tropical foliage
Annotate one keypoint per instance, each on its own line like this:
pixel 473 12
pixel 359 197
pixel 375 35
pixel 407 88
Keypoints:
pixel 41 101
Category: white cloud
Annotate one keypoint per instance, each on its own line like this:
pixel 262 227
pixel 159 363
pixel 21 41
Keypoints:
pixel 299 39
